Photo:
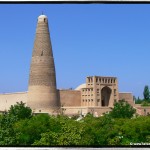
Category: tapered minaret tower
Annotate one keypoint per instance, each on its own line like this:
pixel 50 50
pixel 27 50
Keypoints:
pixel 42 92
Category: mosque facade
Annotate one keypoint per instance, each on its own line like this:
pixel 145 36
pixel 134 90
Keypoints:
pixel 96 96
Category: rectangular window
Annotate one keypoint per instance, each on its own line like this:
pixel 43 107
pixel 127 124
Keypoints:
pixel 114 92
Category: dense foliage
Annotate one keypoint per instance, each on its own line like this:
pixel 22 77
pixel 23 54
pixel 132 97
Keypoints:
pixel 20 111
pixel 114 128
pixel 122 110
pixel 138 100
pixel 146 100
pixel 146 93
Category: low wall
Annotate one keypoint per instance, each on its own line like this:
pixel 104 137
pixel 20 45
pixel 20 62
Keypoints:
pixel 96 111
pixel 143 110
pixel 8 99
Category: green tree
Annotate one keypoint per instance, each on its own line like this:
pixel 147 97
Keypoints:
pixel 145 103
pixel 138 133
pixel 29 130
pixel 138 101
pixel 146 93
pixel 64 131
pixel 122 109
pixel 69 133
pixel 20 111
pixel 7 121
pixel 7 135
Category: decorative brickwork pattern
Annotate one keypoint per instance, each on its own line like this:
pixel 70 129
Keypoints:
pixel 42 80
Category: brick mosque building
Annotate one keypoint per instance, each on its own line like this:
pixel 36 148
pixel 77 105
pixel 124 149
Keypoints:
pixel 96 96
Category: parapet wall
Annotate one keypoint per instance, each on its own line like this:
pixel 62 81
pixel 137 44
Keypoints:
pixel 70 98
pixel 142 110
pixel 96 111
pixel 127 97
pixel 67 98
pixel 6 100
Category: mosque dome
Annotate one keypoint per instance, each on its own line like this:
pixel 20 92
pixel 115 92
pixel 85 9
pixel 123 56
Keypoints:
pixel 81 86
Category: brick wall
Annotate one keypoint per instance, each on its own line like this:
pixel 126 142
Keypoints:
pixel 127 97
pixel 70 97
pixel 6 100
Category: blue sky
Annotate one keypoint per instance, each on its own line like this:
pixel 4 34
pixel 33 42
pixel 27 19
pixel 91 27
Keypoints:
pixel 87 40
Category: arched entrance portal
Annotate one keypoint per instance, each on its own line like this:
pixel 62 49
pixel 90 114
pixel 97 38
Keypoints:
pixel 105 95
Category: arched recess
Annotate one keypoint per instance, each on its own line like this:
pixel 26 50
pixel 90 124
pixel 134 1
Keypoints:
pixel 105 95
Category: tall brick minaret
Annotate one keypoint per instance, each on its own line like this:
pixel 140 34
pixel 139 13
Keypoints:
pixel 42 92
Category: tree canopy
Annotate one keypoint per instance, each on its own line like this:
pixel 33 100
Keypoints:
pixel 47 130
pixel 146 93
pixel 122 109
pixel 20 111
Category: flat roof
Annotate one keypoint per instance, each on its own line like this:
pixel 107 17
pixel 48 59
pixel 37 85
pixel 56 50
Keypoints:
pixel 13 93
pixel 102 76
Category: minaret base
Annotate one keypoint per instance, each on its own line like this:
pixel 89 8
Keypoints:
pixel 42 98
